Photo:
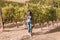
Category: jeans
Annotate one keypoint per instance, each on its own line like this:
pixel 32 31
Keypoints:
pixel 29 25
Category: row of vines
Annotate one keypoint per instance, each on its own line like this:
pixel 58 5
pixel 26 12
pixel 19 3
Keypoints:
pixel 41 12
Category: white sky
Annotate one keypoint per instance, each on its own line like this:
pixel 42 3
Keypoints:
pixel 21 1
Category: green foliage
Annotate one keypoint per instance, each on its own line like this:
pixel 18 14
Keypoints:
pixel 37 1
pixel 58 13
pixel 43 13
pixel 12 11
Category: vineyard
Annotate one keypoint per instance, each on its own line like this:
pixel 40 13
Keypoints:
pixel 45 20
pixel 42 11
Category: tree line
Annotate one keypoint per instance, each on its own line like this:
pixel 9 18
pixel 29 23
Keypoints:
pixel 42 10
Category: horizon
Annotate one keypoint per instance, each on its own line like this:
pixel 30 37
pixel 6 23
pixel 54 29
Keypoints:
pixel 20 1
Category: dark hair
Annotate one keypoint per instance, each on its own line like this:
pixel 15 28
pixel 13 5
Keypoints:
pixel 30 14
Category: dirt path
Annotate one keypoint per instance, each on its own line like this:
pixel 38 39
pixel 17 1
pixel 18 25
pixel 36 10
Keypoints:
pixel 38 34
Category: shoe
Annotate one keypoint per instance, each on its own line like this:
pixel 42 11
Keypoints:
pixel 30 34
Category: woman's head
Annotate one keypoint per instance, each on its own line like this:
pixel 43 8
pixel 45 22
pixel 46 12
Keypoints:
pixel 29 12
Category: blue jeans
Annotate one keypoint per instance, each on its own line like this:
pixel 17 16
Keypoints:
pixel 29 25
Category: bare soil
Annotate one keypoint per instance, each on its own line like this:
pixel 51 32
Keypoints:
pixel 46 33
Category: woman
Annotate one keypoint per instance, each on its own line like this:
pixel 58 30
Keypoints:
pixel 29 22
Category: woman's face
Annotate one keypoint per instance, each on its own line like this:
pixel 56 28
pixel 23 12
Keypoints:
pixel 28 13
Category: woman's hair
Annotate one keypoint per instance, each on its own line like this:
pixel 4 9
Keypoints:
pixel 30 14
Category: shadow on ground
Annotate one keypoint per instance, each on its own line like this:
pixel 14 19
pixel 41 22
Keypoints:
pixel 12 25
pixel 57 29
pixel 4 30
pixel 54 30
pixel 25 37
pixel 37 33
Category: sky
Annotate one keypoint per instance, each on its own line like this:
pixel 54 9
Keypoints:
pixel 21 1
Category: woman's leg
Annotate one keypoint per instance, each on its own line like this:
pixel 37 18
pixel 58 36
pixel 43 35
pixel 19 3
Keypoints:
pixel 30 28
pixel 28 25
